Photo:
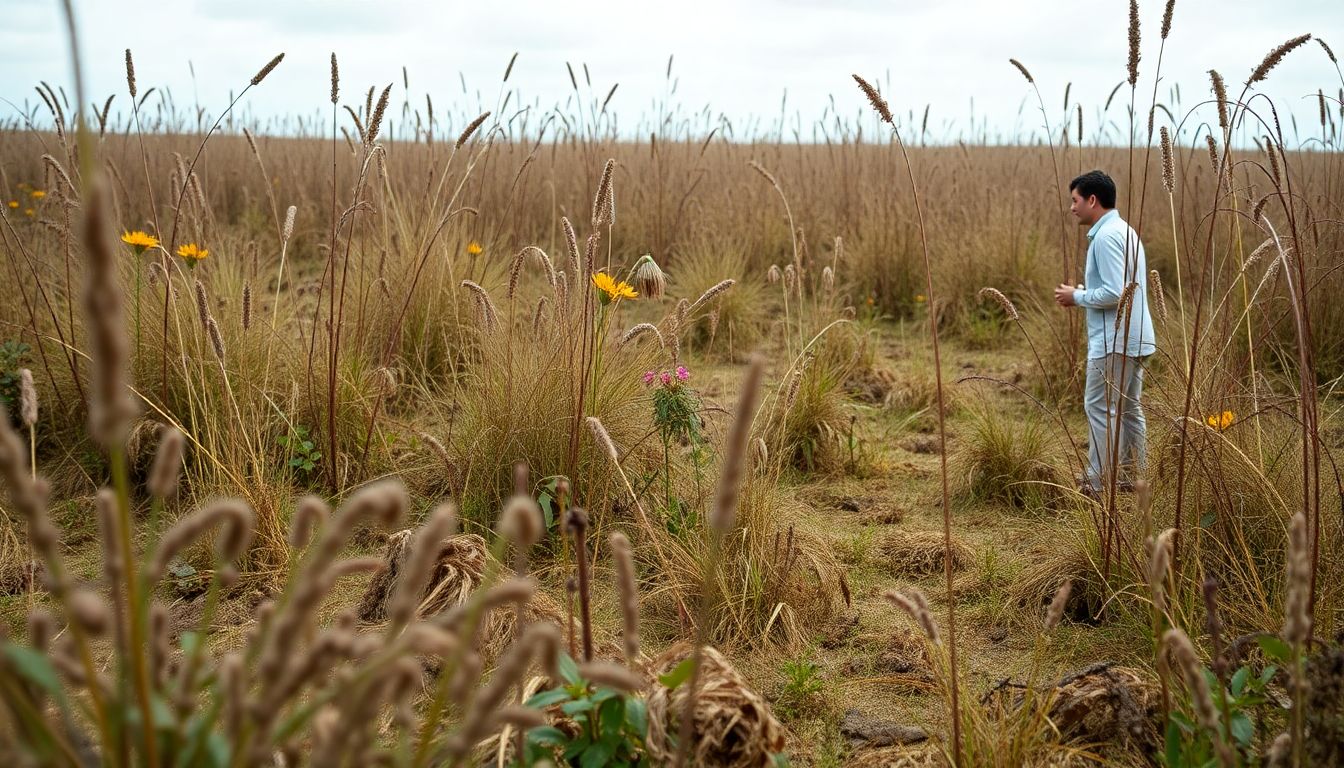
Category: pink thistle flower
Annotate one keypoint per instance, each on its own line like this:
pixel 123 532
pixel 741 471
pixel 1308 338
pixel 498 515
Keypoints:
pixel 666 377
pixel 682 373
pixel 649 377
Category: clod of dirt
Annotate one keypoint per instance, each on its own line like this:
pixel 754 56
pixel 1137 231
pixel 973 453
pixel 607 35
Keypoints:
pixel 865 731
pixel 887 516
pixel 924 444
pixel 20 577
pixel 841 631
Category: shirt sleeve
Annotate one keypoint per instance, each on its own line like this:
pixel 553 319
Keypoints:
pixel 1109 259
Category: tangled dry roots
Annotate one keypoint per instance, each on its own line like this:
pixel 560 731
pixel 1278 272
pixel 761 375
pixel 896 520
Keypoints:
pixel 732 725
pixel 1102 704
pixel 458 570
pixel 920 553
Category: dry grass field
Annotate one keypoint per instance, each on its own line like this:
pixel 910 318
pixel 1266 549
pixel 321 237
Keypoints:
pixel 684 450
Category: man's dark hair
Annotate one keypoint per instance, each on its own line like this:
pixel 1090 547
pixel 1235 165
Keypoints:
pixel 1095 183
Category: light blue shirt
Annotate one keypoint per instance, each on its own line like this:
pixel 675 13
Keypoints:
pixel 1114 259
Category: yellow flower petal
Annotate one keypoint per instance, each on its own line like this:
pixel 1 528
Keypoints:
pixel 139 239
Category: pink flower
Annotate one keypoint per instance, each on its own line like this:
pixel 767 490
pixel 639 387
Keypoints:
pixel 649 376
pixel 666 377
pixel 682 373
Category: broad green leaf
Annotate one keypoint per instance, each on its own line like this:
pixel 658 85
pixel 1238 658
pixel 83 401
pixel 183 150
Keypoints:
pixel 1275 648
pixel 1173 742
pixel 611 716
pixel 576 747
pixel 1242 728
pixel 547 698
pixel 189 641
pixel 220 754
pixel 1268 675
pixel 1238 683
pixel 637 715
pixel 547 735
pixel 679 674
pixel 569 669
pixel 597 755
pixel 36 669
pixel 575 707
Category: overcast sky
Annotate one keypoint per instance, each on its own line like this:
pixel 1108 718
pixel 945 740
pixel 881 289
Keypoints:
pixel 736 56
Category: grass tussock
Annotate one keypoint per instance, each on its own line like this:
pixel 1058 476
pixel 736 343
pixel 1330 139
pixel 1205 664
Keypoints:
pixel 1009 461
pixel 921 553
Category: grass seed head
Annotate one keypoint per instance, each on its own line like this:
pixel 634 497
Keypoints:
pixel 1168 162
pixel 266 70
pixel 167 467
pixel 1133 42
pixel 875 99
pixel 470 130
pixel 1021 68
pixel 1275 56
pixel 27 398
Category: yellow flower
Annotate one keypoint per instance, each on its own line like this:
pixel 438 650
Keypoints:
pixel 612 290
pixel 192 253
pixel 1221 421
pixel 13 203
pixel 139 240
pixel 28 211
pixel 920 298
pixel 474 248
pixel 38 194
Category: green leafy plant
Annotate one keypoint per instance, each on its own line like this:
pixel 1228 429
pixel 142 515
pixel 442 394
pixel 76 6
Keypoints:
pixel 303 453
pixel 1190 744
pixel 609 727
pixel 676 414
pixel 13 354
pixel 802 689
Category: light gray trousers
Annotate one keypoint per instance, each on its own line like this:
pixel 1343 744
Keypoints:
pixel 1111 401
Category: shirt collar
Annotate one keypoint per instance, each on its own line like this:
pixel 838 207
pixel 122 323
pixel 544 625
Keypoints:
pixel 1091 233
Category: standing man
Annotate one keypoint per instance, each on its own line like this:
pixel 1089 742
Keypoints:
pixel 1119 334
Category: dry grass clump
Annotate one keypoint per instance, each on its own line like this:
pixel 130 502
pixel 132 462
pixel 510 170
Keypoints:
pixel 921 553
pixel 1246 505
pixel 733 322
pixel 913 392
pixel 1068 559
pixel 771 582
pixel 1009 461
pixel 732 724
pixel 809 419
pixel 458 567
